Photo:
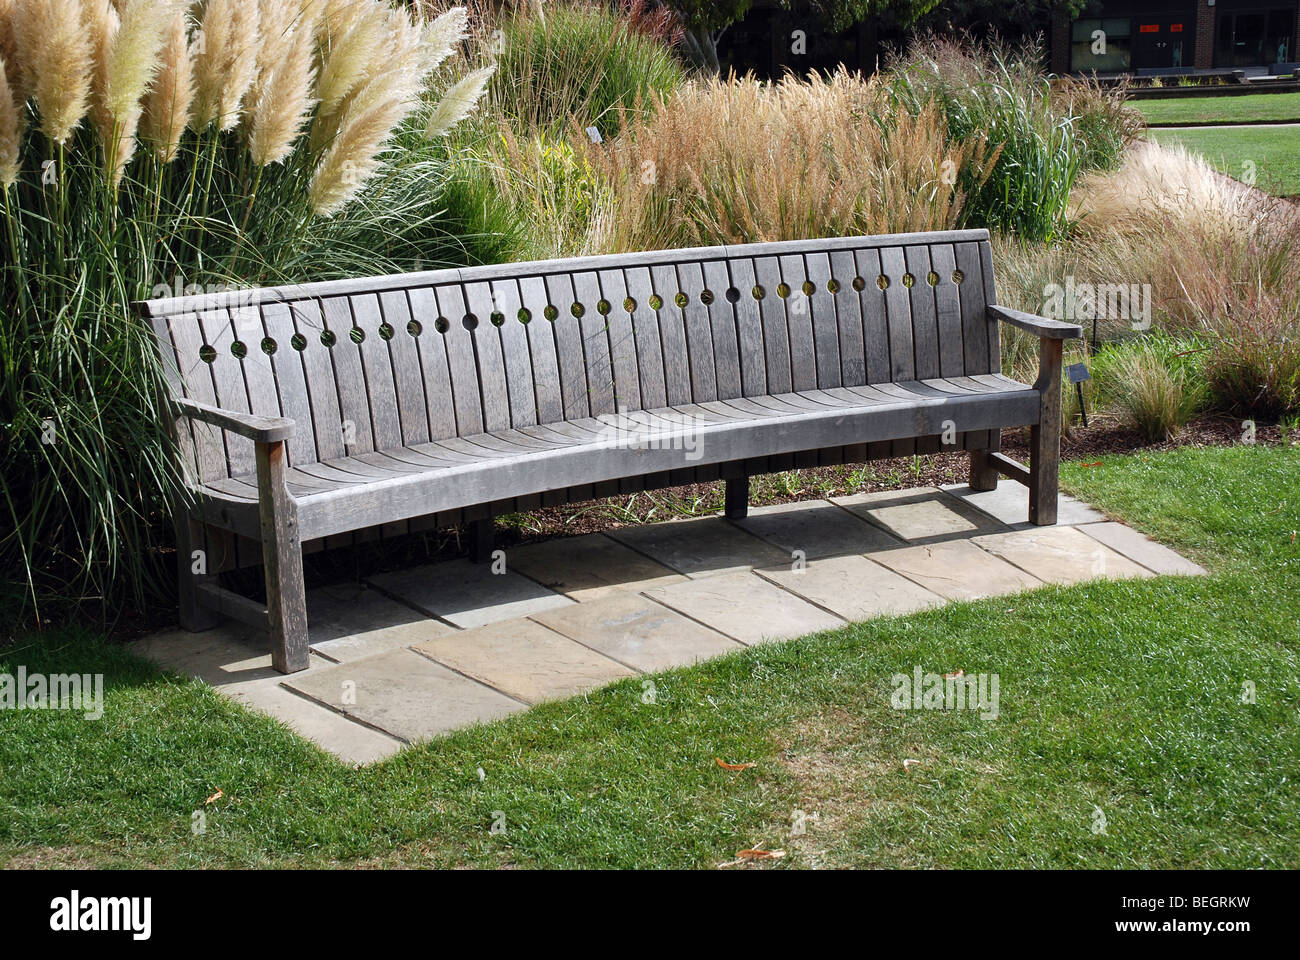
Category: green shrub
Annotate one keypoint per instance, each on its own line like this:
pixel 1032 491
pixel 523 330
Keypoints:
pixel 580 63
pixel 1154 384
pixel 1046 135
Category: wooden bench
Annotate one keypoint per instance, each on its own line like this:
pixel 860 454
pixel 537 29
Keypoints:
pixel 306 413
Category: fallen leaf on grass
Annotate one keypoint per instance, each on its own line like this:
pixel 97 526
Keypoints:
pixel 1097 464
pixel 733 766
pixel 760 854
pixel 909 762
pixel 215 797
pixel 954 676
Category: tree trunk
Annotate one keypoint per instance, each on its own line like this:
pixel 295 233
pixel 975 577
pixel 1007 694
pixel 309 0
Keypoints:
pixel 700 49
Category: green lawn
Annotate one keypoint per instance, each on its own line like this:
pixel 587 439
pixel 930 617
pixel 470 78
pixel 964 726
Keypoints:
pixel 1118 697
pixel 1252 108
pixel 1274 152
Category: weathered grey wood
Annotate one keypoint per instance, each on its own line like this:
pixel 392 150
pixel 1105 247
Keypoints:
pixel 737 498
pixel 1038 326
pixel 672 336
pixel 776 333
pixel 219 602
pixel 723 326
pixel 847 304
pixel 541 348
pixel 1045 436
pixel 480 535
pixel 825 324
pixel 749 329
pixel 286 596
pixel 450 397
pixel 1010 468
pixel 192 554
pixel 798 315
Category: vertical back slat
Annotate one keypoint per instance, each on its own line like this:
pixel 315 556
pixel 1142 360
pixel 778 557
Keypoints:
pixel 377 365
pixel 925 327
pixel 460 360
pixel 408 383
pixel 231 393
pixel 486 338
pixel 990 296
pixel 723 324
pixel 568 347
pixel 435 368
pixel 898 314
pixel 952 362
pixel 776 334
pixel 825 323
pixel 295 402
pixel 699 334
pixel 848 313
pixel 541 348
pixel 349 377
pixel 318 369
pixel 622 342
pixel 749 329
pixel 595 344
pixel 672 337
pixel 974 316
pixel 645 330
pixel 196 378
pixel 875 318
pixel 515 355
pixel 798 311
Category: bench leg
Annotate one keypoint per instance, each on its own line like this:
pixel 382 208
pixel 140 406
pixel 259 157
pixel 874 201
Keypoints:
pixel 480 540
pixel 286 597
pixel 1045 438
pixel 982 474
pixel 738 498
pixel 189 537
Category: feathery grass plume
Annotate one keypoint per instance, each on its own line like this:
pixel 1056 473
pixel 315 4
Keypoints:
pixel 282 23
pixel 354 39
pixel 371 114
pixel 56 59
pixel 442 34
pixel 9 49
pixel 458 102
pixel 225 64
pixel 11 131
pixel 167 104
pixel 284 103
pixel 103 24
pixel 134 59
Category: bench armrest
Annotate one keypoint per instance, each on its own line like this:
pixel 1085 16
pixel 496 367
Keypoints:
pixel 1039 326
pixel 255 428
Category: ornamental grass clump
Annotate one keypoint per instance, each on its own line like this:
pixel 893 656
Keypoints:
pixel 154 147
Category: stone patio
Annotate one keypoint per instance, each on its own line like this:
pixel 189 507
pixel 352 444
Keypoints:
pixel 416 653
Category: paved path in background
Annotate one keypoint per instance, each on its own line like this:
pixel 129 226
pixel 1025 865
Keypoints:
pixel 408 655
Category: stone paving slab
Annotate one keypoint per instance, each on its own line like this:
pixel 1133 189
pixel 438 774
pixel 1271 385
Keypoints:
pixel 922 514
pixel 238 664
pixel 589 567
pixel 351 621
pixel 525 660
pixel 745 607
pixel 1060 555
pixel 1009 502
pixel 1156 557
pixel 404 694
pixel 816 527
pixel 468 594
pixel 703 547
pixel 854 588
pixel 637 632
pixel 957 570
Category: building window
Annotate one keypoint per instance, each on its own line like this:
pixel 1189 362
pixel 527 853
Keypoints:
pixel 1255 39
pixel 1102 45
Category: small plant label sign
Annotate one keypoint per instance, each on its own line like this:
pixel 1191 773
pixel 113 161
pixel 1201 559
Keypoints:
pixel 1078 372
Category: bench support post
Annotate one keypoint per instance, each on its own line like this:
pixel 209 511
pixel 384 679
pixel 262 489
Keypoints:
pixel 286 598
pixel 194 616
pixel 480 540
pixel 983 475
pixel 1045 437
pixel 738 498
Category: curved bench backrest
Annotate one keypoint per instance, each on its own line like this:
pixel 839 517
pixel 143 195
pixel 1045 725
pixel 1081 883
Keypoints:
pixel 376 363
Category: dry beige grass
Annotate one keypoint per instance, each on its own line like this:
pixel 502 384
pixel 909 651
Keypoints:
pixel 728 161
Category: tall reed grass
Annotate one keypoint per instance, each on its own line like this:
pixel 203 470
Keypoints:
pixel 151 146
